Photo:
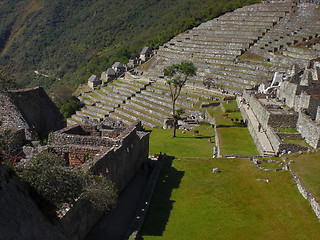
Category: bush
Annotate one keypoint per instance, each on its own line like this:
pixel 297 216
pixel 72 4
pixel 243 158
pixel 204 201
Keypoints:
pixel 57 183
pixel 70 107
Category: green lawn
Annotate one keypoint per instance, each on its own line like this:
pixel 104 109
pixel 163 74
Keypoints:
pixel 300 142
pixel 161 140
pixel 307 167
pixel 234 137
pixel 190 202
pixel 288 130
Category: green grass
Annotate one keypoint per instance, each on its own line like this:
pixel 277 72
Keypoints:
pixel 300 142
pixel 161 140
pixel 288 130
pixel 230 106
pixel 236 141
pixel 307 167
pixel 234 137
pixel 190 202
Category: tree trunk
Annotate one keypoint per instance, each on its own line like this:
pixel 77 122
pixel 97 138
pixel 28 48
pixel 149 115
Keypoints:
pixel 174 117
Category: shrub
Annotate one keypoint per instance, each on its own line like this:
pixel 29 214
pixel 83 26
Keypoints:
pixel 57 183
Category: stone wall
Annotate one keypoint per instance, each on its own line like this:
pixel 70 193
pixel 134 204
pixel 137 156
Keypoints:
pixel 313 106
pixel 74 136
pixel 307 195
pixel 259 111
pixel 309 129
pixel 302 101
pixel 283 120
pixel 122 162
pixel 252 131
pixel 38 110
pixel 80 219
pixel 293 136
pixel 119 164
pixel 11 118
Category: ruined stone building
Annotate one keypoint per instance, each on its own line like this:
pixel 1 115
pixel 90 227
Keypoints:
pixel 115 153
pixel 294 103
pixel 94 81
pixel 31 111
pixel 301 92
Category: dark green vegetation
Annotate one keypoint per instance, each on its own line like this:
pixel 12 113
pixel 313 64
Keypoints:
pixel 53 184
pixel 190 202
pixel 6 80
pixel 70 107
pixel 177 75
pixel 66 41
pixel 307 167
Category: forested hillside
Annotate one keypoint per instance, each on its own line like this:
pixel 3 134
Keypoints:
pixel 67 40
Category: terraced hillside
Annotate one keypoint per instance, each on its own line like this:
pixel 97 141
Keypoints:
pixel 128 99
pixel 233 52
pixel 242 48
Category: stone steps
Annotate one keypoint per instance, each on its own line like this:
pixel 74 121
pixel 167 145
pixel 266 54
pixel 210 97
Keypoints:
pixel 105 106
pixel 144 115
pixel 145 100
pixel 163 89
pixel 71 121
pixel 102 110
pixel 234 17
pixel 118 117
pixel 125 116
pixel 110 92
pixel 185 55
pixel 92 112
pixel 150 107
pixel 96 99
pixel 107 98
pixel 85 100
pixel 208 44
pixel 76 118
pixel 122 89
pixel 128 85
pixel 203 51
pixel 83 114
pixel 165 100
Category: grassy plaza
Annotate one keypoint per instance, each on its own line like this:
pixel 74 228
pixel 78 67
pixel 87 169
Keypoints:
pixel 192 202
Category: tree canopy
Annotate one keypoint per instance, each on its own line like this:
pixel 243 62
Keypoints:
pixel 177 75
pixel 57 183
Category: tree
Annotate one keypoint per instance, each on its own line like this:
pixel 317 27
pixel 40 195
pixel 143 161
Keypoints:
pixel 57 183
pixel 6 80
pixel 177 75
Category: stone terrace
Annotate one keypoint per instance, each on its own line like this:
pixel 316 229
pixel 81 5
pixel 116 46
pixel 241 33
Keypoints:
pixel 131 99
pixel 215 46
pixel 302 24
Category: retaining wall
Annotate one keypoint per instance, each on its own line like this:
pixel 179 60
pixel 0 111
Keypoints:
pixel 309 129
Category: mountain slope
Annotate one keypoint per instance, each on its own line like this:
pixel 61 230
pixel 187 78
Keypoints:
pixel 69 40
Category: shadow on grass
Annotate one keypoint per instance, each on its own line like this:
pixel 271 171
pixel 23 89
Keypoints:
pixel 161 205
